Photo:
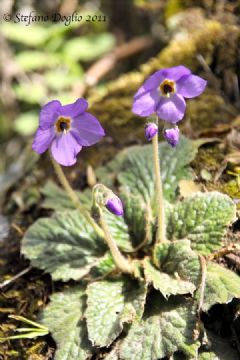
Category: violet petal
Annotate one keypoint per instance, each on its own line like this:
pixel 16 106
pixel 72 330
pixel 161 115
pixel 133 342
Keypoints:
pixel 75 109
pixel 87 129
pixel 176 72
pixel 151 83
pixel 65 149
pixel 43 139
pixel 191 86
pixel 49 114
pixel 171 109
pixel 146 104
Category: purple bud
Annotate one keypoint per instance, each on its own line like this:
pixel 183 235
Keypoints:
pixel 150 130
pixel 172 136
pixel 115 206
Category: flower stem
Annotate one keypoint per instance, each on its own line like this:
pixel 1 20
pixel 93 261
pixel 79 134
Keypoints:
pixel 73 196
pixel 161 225
pixel 122 263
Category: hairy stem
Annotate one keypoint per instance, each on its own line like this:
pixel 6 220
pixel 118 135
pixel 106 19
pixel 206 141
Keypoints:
pixel 73 196
pixel 122 263
pixel 161 225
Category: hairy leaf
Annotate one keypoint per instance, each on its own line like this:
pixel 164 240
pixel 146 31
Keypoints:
pixel 64 245
pixel 57 199
pixel 222 285
pixel 63 318
pixel 165 328
pixel 203 219
pixel 138 216
pixel 110 304
pixel 179 268
pixel 167 284
pixel 133 167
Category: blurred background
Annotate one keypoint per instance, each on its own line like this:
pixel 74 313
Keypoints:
pixel 103 50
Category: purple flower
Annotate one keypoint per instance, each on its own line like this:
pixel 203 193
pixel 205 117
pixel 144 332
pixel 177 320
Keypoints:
pixel 150 130
pixel 66 129
pixel 115 206
pixel 164 93
pixel 172 136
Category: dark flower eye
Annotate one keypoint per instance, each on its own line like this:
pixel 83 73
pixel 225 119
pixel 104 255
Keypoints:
pixel 66 129
pixel 164 91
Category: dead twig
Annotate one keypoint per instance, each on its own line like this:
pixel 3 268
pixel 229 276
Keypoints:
pixel 15 277
pixel 107 63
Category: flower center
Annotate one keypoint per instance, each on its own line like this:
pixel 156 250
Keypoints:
pixel 63 124
pixel 167 88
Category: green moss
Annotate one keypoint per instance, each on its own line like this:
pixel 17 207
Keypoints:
pixel 173 7
pixel 208 158
pixel 232 189
pixel 208 110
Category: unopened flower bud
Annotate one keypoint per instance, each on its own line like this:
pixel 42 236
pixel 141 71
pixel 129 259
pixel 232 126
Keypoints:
pixel 172 136
pixel 115 206
pixel 150 130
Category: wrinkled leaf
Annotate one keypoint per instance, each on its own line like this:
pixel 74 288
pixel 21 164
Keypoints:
pixel 110 304
pixel 57 199
pixel 133 167
pixel 167 284
pixel 139 218
pixel 179 268
pixel 105 266
pixel 222 285
pixel 63 318
pixel 64 245
pixel 203 219
pixel 165 328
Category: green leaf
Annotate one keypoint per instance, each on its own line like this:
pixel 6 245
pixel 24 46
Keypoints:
pixel 20 33
pixel 167 284
pixel 222 285
pixel 203 219
pixel 64 245
pixel 138 217
pixel 36 60
pixel 179 268
pixel 110 304
pixel 57 199
pixel 89 47
pixel 165 328
pixel 32 92
pixel 119 231
pixel 26 123
pixel 64 319
pixel 62 78
pixel 133 167
pixel 105 266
